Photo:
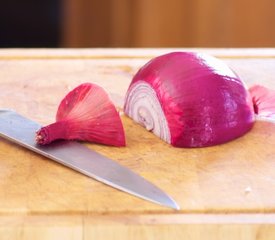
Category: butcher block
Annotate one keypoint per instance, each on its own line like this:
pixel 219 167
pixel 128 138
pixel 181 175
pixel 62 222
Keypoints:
pixel 224 192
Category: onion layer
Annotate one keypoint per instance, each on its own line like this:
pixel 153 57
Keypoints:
pixel 86 114
pixel 143 98
pixel 190 100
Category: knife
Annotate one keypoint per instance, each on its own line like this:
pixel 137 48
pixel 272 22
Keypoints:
pixel 74 155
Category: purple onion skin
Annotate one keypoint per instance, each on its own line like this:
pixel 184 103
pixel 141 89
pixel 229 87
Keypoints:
pixel 204 102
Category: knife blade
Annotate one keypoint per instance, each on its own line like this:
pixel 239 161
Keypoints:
pixel 74 155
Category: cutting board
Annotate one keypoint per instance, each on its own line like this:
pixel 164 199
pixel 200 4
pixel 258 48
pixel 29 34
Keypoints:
pixel 225 190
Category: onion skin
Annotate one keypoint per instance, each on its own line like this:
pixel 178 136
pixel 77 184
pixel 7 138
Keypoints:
pixel 202 101
pixel 86 114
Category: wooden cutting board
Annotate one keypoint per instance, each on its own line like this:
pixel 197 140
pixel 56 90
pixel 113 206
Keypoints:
pixel 225 190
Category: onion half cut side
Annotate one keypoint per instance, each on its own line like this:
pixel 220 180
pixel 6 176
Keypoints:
pixel 144 107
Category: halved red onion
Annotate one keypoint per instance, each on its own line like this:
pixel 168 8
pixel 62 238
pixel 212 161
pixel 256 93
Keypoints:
pixel 190 100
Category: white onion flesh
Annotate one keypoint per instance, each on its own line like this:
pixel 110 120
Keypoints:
pixel 146 110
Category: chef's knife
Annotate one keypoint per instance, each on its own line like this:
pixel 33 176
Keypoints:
pixel 21 130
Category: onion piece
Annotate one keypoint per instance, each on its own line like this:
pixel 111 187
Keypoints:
pixel 87 114
pixel 190 100
pixel 263 101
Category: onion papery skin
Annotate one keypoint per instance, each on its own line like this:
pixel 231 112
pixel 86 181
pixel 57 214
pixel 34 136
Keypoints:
pixel 87 114
pixel 190 99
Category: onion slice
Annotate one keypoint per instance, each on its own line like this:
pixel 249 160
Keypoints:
pixel 263 101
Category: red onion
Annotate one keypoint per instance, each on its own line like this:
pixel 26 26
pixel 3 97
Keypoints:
pixel 264 101
pixel 190 100
pixel 86 113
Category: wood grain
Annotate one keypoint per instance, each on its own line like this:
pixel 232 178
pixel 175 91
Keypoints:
pixel 224 191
